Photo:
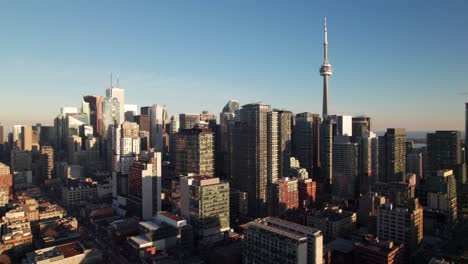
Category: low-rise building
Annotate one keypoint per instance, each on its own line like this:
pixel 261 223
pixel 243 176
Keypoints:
pixel 72 253
pixel 333 222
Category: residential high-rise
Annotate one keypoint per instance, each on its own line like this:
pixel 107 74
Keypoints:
pixel 47 162
pixel 368 160
pixel 205 202
pixel 392 155
pixel 119 94
pixel 401 224
pixel 307 142
pixel 194 152
pixel 345 169
pixel 284 142
pixel 326 151
pixel 227 120
pixel 272 240
pixel 441 188
pixel 144 185
pixel 253 170
pixel 444 152
pixel 326 70
pixel 95 112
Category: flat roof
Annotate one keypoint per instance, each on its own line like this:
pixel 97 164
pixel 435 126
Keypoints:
pixel 278 231
pixel 150 225
pixel 171 216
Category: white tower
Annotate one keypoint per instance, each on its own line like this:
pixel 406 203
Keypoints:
pixel 326 71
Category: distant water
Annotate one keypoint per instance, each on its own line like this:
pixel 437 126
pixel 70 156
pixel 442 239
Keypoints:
pixel 416 134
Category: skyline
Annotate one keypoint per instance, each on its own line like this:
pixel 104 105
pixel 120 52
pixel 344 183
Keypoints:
pixel 227 52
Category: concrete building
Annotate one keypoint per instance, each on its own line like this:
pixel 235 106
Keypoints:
pixel 326 71
pixel 326 151
pixel 398 192
pixel 205 202
pixel 26 138
pixel 130 111
pixel 272 240
pixel 20 160
pixel 375 251
pixel 345 185
pixel 401 224
pixel 227 120
pixel 290 193
pixel 188 121
pixel 71 253
pixel 392 155
pixel 369 204
pixel 194 152
pixel 79 192
pixel 284 142
pixel 144 185
pixel 6 181
pixel 333 222
pixel 307 142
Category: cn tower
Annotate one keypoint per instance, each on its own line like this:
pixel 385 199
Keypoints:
pixel 326 71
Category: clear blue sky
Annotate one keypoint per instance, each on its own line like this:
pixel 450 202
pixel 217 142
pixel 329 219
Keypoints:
pixel 404 63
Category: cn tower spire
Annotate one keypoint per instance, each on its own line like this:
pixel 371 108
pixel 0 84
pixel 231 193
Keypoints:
pixel 326 70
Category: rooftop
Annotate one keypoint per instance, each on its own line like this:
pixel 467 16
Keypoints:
pixel 171 216
pixel 276 230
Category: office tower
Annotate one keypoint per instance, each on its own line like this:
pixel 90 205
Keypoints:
pixel 73 123
pixel 250 167
pixel 368 160
pixel 392 155
pixel 227 120
pixel 307 142
pixel 144 185
pixel 466 132
pixel 205 202
pixel 194 152
pixel 444 152
pixel 173 129
pixel 376 251
pixel 401 224
pixel 47 136
pixel 47 162
pixel 74 148
pixel 2 138
pixel 145 118
pixel 343 125
pixel 284 142
pixel 272 240
pixel 119 94
pixel 369 204
pixel 20 160
pixel 125 146
pixel 272 155
pixel 26 137
pixel 130 111
pixel 188 121
pixel 326 151
pixel 332 221
pixel 157 119
pixel 361 124
pixel 110 115
pixel 345 169
pixel 441 189
pixel 326 70
pixel 415 164
pixel 95 112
